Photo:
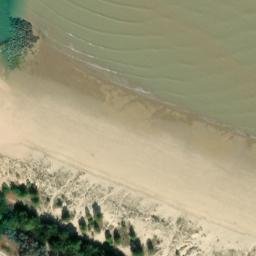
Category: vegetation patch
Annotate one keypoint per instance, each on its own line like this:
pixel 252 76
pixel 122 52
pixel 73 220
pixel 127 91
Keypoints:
pixel 26 193
pixel 41 234
pixel 24 230
pixel 16 46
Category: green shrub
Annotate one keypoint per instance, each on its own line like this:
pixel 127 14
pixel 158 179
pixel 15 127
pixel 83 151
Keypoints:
pixel 116 236
pixel 123 224
pixel 35 200
pixel 82 224
pixel 136 247
pixel 96 226
pixel 89 218
pixel 97 214
pixel 19 189
pixel 58 202
pixel 5 188
pixel 32 232
pixel 150 246
pixel 65 214
pixel 32 188
pixel 108 236
pixel 132 233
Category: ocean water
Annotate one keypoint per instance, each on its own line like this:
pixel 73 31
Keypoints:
pixel 199 55
pixel 8 8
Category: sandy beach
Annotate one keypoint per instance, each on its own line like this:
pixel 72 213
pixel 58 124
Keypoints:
pixel 61 109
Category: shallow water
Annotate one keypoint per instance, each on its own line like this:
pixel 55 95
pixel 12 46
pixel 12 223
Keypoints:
pixel 8 8
pixel 199 55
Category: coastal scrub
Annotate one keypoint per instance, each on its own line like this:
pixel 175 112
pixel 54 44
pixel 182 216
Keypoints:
pixel 31 233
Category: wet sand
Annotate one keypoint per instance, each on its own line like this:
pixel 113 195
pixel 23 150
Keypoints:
pixel 59 107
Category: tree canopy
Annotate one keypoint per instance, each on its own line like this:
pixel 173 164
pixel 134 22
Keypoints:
pixel 31 231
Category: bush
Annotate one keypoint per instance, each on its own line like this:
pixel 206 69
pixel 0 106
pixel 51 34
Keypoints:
pixel 58 202
pixel 65 214
pixel 35 200
pixel 96 211
pixel 177 253
pixel 89 217
pixel 116 236
pixel 96 226
pixel 5 188
pixel 19 189
pixel 88 213
pixel 150 246
pixel 82 224
pixel 3 207
pixel 32 232
pixel 108 236
pixel 132 233
pixel 29 246
pixel 123 224
pixel 32 188
pixel 136 247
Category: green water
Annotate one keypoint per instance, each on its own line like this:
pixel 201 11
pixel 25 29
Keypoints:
pixel 8 8
pixel 200 55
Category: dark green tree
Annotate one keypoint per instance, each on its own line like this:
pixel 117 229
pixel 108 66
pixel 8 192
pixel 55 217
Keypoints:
pixel 116 236
pixel 32 232
pixel 82 224
pixel 108 236
pixel 177 252
pixel 65 214
pixel 32 188
pixel 19 189
pixel 89 217
pixel 5 188
pixel 97 214
pixel 96 226
pixel 150 246
pixel 3 206
pixel 123 224
pixel 35 200
pixel 136 247
pixel 132 232
pixel 58 202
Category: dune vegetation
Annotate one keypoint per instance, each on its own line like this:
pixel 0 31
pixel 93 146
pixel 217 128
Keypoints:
pixel 26 231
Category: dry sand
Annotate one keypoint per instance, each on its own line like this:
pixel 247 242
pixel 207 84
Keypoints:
pixel 58 107
pixel 173 230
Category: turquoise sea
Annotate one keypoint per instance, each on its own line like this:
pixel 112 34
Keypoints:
pixel 8 8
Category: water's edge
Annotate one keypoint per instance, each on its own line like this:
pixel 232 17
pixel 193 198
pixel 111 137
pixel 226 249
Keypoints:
pixel 224 99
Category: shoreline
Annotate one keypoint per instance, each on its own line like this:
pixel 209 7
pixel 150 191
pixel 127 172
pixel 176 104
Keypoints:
pixel 154 115
pixel 76 117
pixel 102 74
pixel 238 119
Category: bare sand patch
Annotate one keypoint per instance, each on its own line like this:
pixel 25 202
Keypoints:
pixel 8 247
